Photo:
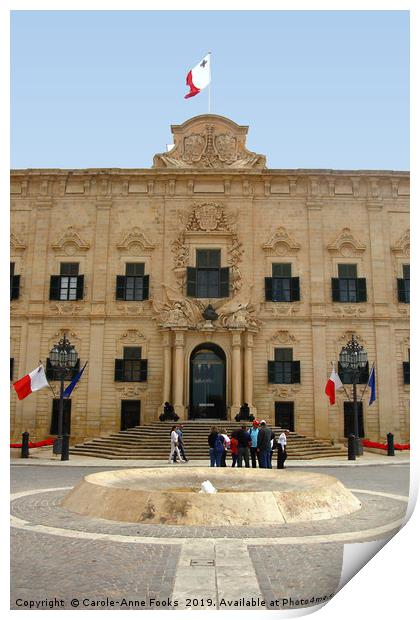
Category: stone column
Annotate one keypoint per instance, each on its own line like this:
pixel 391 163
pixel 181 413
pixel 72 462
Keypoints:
pixel 320 373
pixel 167 368
pixel 387 375
pixel 318 286
pixel 236 373
pixel 97 319
pixel 178 372
pixel 249 371
pixel 38 281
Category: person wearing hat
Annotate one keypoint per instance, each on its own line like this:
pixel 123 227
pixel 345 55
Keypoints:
pixel 264 445
pixel 253 431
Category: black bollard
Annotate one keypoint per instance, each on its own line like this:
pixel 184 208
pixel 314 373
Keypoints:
pixel 25 445
pixel 351 448
pixel 65 447
pixel 390 444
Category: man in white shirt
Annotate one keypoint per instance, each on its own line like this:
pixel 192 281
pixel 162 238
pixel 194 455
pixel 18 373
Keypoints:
pixel 174 446
pixel 281 449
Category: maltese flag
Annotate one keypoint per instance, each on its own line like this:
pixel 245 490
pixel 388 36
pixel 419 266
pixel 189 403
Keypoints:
pixel 199 77
pixel 333 384
pixel 34 381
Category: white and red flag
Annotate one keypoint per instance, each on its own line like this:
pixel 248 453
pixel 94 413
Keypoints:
pixel 333 384
pixel 34 381
pixel 199 77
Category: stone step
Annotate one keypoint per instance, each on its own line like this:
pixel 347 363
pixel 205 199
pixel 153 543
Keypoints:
pixel 152 442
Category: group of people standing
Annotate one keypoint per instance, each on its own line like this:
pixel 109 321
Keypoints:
pixel 257 443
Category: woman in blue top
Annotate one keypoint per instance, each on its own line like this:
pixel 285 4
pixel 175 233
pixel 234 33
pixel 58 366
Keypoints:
pixel 254 438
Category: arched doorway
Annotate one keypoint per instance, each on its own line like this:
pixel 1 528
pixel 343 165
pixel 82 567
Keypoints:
pixel 207 382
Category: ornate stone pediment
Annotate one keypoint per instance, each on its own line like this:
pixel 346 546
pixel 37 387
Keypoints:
pixel 282 337
pixel 16 245
pixel 402 246
pixel 132 336
pixel 208 218
pixel 281 244
pixel 136 243
pixel 70 243
pixel 209 141
pixel 346 245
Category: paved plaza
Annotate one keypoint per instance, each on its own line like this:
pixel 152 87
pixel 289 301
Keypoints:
pixel 63 560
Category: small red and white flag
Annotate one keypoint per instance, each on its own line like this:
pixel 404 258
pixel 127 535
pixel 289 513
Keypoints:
pixel 333 384
pixel 199 77
pixel 34 381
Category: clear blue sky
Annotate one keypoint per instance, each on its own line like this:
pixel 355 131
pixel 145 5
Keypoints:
pixel 319 89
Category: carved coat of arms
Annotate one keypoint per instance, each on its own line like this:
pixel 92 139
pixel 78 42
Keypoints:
pixel 226 147
pixel 194 146
pixel 208 217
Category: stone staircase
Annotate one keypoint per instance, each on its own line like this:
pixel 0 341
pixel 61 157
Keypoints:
pixel 152 442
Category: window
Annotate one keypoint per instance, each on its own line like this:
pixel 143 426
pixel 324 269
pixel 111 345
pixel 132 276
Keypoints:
pixel 134 286
pixel 283 369
pixel 403 285
pixel 68 286
pixel 131 367
pixel 14 283
pixel 348 288
pixel 208 279
pixel 281 286
pixel 406 370
pixel 347 377
pixel 54 375
pixel 12 364
pixel 66 416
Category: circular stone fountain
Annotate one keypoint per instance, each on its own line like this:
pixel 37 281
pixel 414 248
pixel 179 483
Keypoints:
pixel 244 496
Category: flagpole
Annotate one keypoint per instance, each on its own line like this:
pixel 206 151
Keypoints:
pixel 49 384
pixel 364 390
pixel 209 84
pixel 344 387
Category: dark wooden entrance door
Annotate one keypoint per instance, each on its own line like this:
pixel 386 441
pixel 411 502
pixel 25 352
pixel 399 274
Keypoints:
pixel 130 414
pixel 207 382
pixel 285 415
pixel 349 419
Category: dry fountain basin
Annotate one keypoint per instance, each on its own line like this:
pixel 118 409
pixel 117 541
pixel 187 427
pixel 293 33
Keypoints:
pixel 244 496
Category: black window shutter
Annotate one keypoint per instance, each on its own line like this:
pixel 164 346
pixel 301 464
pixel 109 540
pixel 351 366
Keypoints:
pixel 401 289
pixel 55 287
pixel 361 289
pixel 271 372
pixel 145 287
pixel 268 289
pixel 224 282
pixel 364 374
pixel 80 285
pixel 120 288
pixel 191 282
pixel 294 289
pixel 119 370
pixel 143 370
pixel 406 373
pixel 296 372
pixel 335 288
pixel 14 289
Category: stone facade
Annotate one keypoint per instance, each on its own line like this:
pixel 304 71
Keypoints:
pixel 210 192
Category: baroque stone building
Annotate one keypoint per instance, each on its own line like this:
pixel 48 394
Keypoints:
pixel 210 280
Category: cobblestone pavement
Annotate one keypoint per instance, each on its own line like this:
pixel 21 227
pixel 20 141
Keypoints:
pixel 46 567
pixel 296 576
pixel 227 564
pixel 44 508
